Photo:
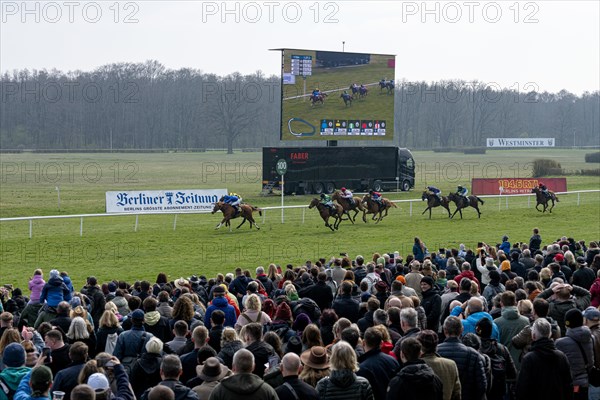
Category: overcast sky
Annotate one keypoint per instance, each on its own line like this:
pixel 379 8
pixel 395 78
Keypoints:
pixel 543 45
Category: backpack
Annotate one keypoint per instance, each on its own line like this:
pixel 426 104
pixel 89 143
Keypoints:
pixel 129 361
pixel 498 367
pixel 307 306
pixel 258 319
pixel 111 343
pixel 10 393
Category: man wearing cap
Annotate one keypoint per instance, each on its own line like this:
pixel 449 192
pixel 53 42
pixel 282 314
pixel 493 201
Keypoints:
pixel 99 382
pixel 584 276
pixel 591 318
pixel 13 358
pixel 545 371
pixel 220 302
pixel 432 303
pixel 170 371
pixel 243 384
pixel 376 366
pixel 132 343
pixel 293 388
pixel 577 346
pixel 211 372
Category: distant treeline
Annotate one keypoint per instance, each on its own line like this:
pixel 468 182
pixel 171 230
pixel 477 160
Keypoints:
pixel 146 106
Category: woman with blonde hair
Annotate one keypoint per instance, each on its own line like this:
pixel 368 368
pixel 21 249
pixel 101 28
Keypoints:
pixel 81 331
pixel 230 343
pixel 112 307
pixel 252 313
pixel 343 383
pixel 80 311
pixel 273 275
pixel 109 325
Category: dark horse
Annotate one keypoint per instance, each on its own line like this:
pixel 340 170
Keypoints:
pixel 356 206
pixel 543 200
pixel 229 213
pixel 388 85
pixel 434 201
pixel 347 98
pixel 327 213
pixel 376 208
pixel 460 203
pixel 362 92
pixel 354 88
pixel 317 99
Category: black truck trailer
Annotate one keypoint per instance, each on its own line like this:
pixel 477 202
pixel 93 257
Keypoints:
pixel 325 169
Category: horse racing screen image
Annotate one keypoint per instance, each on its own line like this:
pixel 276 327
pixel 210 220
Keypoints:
pixel 337 95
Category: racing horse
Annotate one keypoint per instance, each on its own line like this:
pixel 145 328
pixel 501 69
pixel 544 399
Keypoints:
pixel 327 213
pixel 317 99
pixel 542 199
pixel 347 98
pixel 354 88
pixel 362 92
pixel 230 213
pixel 356 207
pixel 434 201
pixel 460 203
pixel 372 207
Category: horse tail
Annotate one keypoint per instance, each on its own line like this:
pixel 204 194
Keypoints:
pixel 393 204
pixel 257 209
pixel 479 200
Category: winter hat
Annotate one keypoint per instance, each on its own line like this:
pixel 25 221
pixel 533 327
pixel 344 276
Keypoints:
pixel 504 238
pixel 428 280
pixel 283 313
pixel 112 287
pixel 505 266
pixel 98 382
pixel 573 318
pixel 301 322
pixel 381 286
pixel 294 345
pixel 137 314
pixel 484 328
pixel 14 355
pixel 402 279
pixel 40 376
pixel 559 258
pixel 489 262
pixel 218 290
pixel 54 273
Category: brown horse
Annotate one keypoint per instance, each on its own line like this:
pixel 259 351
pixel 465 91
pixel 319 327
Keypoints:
pixel 543 200
pixel 326 213
pixel 460 203
pixel 229 213
pixel 434 201
pixel 356 207
pixel 375 208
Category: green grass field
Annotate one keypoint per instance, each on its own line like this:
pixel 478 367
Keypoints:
pixel 376 106
pixel 109 247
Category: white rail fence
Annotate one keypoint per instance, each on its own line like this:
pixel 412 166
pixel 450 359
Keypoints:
pixel 516 201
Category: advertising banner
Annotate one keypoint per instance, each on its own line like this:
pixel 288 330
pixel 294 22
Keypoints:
pixel 167 201
pixel 516 142
pixel 507 186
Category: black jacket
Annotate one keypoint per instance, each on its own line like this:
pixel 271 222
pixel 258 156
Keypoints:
pixel 303 390
pixel 471 370
pixel 345 306
pixel 379 369
pixel 432 304
pixel 415 381
pixel 320 293
pixel 145 373
pixel 545 373
pixel 66 379
pixel 181 391
pixel 262 351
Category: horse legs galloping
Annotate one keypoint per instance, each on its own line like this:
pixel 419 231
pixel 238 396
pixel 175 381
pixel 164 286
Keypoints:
pixel 552 206
pixel 458 210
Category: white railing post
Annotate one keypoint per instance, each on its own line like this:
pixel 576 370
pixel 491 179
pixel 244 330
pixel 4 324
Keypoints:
pixel 30 228
pixel 578 195
pixel 506 202
pixel 410 208
pixel 81 227
pixel 499 203
pixel 136 222
pixel 528 201
pixel 264 215
pixel 303 214
pixel 175 222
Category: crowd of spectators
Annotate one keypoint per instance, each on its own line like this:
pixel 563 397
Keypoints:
pixel 497 322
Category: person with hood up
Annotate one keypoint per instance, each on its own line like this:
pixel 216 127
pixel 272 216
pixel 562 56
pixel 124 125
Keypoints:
pixel 416 380
pixel 220 302
pixel 243 384
pixel 55 290
pixel 432 303
pixel 36 285
pixel 466 273
pixel 505 245
pixel 578 347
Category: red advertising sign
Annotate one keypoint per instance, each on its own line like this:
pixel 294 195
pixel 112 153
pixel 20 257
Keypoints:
pixel 516 185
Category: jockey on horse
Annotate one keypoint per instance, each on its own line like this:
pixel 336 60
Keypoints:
pixel 435 191
pixel 544 190
pixel 463 192
pixel 376 196
pixel 346 194
pixel 326 200
pixel 234 200
pixel 316 93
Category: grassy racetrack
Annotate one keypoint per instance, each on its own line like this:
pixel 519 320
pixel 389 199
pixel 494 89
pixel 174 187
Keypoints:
pixel 111 249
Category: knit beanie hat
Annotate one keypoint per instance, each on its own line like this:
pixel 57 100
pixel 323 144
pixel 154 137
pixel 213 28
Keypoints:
pixel 14 355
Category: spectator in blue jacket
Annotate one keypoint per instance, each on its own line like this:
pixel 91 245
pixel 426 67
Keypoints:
pixel 55 290
pixel 219 302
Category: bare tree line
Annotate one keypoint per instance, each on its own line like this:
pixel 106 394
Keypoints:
pixel 146 106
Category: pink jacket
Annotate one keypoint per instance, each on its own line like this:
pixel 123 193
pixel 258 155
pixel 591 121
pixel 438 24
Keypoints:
pixel 36 284
pixel 595 291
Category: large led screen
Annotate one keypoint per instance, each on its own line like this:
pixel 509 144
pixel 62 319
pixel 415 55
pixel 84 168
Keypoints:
pixel 333 95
